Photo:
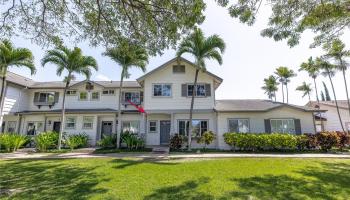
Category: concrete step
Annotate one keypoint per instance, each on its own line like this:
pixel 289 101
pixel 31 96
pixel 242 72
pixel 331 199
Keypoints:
pixel 160 149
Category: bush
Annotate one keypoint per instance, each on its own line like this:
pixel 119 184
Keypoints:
pixel 108 141
pixel 176 141
pixel 344 140
pixel 207 138
pixel 46 140
pixel 11 141
pixel 77 141
pixel 132 141
pixel 327 140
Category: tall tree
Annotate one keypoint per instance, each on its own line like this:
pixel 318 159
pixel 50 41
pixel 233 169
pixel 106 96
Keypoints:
pixel 126 55
pixel 11 56
pixel 74 62
pixel 329 71
pixel 328 19
pixel 155 24
pixel 306 89
pixel 284 75
pixel 326 92
pixel 270 87
pixel 201 48
pixel 336 51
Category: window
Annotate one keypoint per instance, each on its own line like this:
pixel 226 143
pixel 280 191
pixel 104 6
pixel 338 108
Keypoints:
pixel 108 92
pixel 33 128
pixel 178 69
pixel 71 92
pixel 70 122
pixel 46 97
pixel 88 122
pixel 131 127
pixel 11 126
pixel 200 92
pixel 95 96
pixel 282 126
pixel 238 125
pixel 198 127
pixel 162 90
pixel 83 96
pixel 134 97
pixel 152 126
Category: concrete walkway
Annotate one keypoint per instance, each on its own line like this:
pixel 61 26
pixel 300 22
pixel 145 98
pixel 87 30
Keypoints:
pixel 89 154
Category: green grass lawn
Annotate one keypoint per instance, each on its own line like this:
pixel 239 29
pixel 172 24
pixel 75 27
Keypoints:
pixel 238 178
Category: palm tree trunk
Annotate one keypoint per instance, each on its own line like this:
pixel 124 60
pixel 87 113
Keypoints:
pixel 63 112
pixel 119 127
pixel 282 92
pixel 313 115
pixel 336 102
pixel 346 90
pixel 191 110
pixel 2 96
pixel 275 95
pixel 318 103
pixel 287 92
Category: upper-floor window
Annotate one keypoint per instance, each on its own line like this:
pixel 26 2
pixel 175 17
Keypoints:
pixel 179 69
pixel 162 90
pixel 83 96
pixel 199 92
pixel 133 97
pixel 95 96
pixel 282 126
pixel 238 125
pixel 71 92
pixel 108 92
pixel 46 97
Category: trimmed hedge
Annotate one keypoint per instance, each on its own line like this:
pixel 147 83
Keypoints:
pixel 277 141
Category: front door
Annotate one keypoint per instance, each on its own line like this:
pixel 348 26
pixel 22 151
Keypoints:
pixel 164 131
pixel 56 127
pixel 106 128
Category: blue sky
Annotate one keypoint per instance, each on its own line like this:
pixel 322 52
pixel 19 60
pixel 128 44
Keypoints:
pixel 248 59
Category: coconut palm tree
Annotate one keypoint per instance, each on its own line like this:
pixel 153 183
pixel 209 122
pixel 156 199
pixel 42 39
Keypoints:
pixel 11 56
pixel 284 75
pixel 328 70
pixel 201 48
pixel 336 51
pixel 126 55
pixel 305 88
pixel 270 87
pixel 74 62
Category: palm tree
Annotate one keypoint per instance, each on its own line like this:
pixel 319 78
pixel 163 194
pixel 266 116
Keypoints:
pixel 72 61
pixel 201 48
pixel 284 75
pixel 329 71
pixel 9 57
pixel 127 55
pixel 270 87
pixel 336 50
pixel 305 88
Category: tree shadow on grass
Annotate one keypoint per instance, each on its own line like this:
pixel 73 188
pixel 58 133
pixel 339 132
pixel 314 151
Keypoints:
pixel 331 181
pixel 124 163
pixel 187 190
pixel 47 179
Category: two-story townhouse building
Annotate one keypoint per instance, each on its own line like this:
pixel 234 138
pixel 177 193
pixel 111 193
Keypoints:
pixel 164 93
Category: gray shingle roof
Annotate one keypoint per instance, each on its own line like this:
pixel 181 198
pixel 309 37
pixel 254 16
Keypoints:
pixel 341 103
pixel 253 105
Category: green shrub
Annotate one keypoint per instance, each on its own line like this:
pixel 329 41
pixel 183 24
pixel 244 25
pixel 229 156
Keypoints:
pixel 77 141
pixel 344 140
pixel 176 141
pixel 108 141
pixel 46 140
pixel 327 140
pixel 132 141
pixel 207 138
pixel 12 141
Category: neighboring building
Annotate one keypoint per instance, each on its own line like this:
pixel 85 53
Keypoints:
pixel 330 118
pixel 165 94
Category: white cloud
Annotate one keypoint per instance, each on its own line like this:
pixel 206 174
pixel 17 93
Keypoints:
pixel 101 77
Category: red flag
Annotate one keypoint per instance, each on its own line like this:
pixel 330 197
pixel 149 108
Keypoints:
pixel 139 108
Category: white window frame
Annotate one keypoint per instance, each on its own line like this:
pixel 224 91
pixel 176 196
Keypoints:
pixel 109 92
pixel 69 92
pixel 149 126
pixel 66 122
pixel 8 126
pixel 87 96
pixel 84 122
pixel 130 122
pixel 283 130
pixel 195 91
pixel 162 85
pixel 91 96
pixel 178 72
pixel 47 97
pixel 238 119
pixel 135 92
pixel 37 128
pixel 200 127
